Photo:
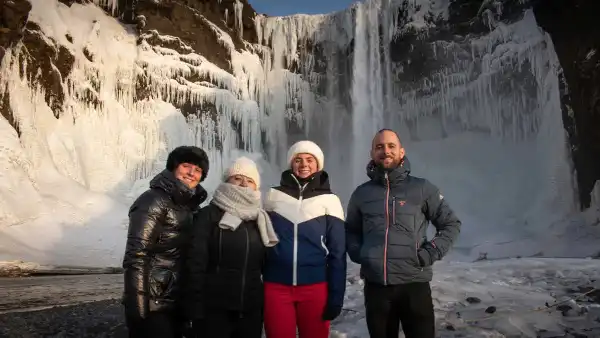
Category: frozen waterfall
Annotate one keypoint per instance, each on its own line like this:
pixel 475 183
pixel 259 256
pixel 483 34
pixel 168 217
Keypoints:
pixel 485 127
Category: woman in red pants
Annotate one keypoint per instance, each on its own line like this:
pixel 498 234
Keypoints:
pixel 305 273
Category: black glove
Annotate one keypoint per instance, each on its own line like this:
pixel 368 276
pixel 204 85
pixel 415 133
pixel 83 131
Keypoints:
pixel 197 328
pixel 188 329
pixel 331 312
pixel 426 255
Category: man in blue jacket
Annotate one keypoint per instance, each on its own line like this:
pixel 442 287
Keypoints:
pixel 386 233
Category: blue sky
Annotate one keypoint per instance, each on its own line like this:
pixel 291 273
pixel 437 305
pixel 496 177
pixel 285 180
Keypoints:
pixel 286 7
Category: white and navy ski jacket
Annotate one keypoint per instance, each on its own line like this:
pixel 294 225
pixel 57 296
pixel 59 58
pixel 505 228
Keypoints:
pixel 309 221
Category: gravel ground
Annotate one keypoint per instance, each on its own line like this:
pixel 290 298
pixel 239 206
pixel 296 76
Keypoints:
pixel 29 293
pixel 95 319
pixel 89 306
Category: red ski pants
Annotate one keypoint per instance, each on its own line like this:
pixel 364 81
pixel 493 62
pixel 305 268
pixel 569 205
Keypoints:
pixel 288 307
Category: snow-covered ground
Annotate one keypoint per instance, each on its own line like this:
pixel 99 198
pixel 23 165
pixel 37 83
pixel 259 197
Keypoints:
pixel 532 298
pixel 519 289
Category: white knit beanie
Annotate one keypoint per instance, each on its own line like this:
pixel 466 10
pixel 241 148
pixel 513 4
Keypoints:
pixel 245 167
pixel 307 147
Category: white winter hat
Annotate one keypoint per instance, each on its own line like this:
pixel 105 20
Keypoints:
pixel 245 167
pixel 307 147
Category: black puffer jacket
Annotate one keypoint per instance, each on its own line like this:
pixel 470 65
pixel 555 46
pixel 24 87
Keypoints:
pixel 159 223
pixel 224 266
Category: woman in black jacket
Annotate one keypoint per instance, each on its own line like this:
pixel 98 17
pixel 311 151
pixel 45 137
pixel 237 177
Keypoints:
pixel 224 286
pixel 158 222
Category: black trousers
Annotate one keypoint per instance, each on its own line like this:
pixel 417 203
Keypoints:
pixel 229 324
pixel 389 306
pixel 156 325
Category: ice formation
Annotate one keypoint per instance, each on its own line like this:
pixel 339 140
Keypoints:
pixel 499 156
pixel 238 7
pixel 488 129
pixel 64 196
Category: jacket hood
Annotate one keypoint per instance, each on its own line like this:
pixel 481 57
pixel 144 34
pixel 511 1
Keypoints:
pixel 179 192
pixel 395 175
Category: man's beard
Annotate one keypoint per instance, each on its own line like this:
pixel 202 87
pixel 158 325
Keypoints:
pixel 389 166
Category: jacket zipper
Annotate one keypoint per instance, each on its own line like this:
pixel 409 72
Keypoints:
pixel 417 254
pixel 244 272
pixel 393 210
pixel 295 253
pixel 295 267
pixel 220 249
pixel 387 227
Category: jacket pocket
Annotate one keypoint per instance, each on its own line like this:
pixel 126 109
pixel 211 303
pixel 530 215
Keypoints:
pixel 404 215
pixel 417 247
pixel 161 281
pixel 404 223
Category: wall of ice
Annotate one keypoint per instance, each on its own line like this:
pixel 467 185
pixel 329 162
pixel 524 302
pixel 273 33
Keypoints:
pixel 498 155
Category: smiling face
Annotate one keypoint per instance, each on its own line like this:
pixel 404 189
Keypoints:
pixel 242 181
pixel 304 165
pixel 189 174
pixel 386 150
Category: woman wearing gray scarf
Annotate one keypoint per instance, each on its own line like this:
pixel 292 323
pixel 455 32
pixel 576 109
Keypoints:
pixel 224 283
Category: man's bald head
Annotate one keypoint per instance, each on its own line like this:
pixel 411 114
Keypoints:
pixel 388 131
pixel 386 149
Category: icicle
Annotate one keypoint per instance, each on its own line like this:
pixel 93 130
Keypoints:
pixel 111 4
pixel 238 8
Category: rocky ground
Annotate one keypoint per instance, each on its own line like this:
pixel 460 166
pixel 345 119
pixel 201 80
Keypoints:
pixel 61 306
pixel 95 319
pixel 82 306
pixel 34 293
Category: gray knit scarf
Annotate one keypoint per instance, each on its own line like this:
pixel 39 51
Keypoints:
pixel 243 204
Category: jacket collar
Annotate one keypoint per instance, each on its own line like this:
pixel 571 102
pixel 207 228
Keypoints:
pixel 179 192
pixel 394 176
pixel 317 181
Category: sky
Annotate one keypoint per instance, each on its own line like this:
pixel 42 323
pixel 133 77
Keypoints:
pixel 287 7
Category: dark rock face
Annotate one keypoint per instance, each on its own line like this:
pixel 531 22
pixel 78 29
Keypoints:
pixel 191 21
pixel 52 69
pixel 466 20
pixel 196 25
pixel 48 71
pixel 13 16
pixel 573 26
